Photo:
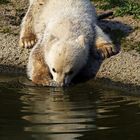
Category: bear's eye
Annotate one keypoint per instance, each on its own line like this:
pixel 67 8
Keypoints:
pixel 69 73
pixel 53 69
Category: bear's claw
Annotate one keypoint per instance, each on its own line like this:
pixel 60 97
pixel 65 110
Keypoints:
pixel 106 50
pixel 28 41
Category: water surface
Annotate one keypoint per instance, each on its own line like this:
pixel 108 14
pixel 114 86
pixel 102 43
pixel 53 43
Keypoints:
pixel 83 112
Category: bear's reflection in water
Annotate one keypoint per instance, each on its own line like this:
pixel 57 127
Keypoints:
pixel 82 111
pixel 54 112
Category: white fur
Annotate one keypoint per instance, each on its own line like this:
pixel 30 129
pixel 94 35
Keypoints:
pixel 59 27
pixel 65 57
pixel 54 11
pixel 67 20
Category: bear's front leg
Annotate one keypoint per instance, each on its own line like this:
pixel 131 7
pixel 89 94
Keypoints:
pixel 103 44
pixel 28 36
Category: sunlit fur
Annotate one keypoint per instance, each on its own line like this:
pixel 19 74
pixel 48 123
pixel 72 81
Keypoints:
pixel 66 30
pixel 67 58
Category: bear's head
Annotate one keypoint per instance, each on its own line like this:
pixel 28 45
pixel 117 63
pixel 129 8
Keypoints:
pixel 66 58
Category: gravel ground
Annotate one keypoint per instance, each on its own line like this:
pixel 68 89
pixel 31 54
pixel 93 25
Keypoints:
pixel 124 67
pixel 125 31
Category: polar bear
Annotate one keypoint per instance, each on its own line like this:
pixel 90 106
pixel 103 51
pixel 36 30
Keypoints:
pixel 64 34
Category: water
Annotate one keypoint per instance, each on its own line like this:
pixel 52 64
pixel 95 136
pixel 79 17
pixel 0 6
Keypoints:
pixel 83 112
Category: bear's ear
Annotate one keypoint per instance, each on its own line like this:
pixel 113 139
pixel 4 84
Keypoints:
pixel 81 40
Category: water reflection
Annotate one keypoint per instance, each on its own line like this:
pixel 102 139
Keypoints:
pixel 59 111
pixel 86 111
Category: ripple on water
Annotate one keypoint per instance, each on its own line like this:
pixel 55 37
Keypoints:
pixel 83 111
